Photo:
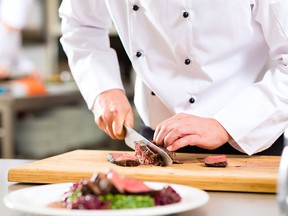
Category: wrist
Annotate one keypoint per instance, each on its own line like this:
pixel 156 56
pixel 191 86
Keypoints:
pixel 225 135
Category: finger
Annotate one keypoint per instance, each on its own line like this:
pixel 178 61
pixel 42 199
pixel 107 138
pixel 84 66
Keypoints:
pixel 117 123
pixel 162 133
pixel 156 133
pixel 179 130
pixel 158 136
pixel 171 137
pixel 129 120
pixel 122 117
pixel 118 129
pixel 163 128
pixel 107 123
pixel 191 140
pixel 101 124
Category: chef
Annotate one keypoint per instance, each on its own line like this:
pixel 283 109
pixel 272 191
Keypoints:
pixel 13 18
pixel 201 75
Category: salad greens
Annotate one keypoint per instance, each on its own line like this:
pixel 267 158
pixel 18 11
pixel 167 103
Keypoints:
pixel 121 201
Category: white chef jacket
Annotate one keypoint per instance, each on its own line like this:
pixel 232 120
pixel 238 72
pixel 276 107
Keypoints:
pixel 14 12
pixel 205 58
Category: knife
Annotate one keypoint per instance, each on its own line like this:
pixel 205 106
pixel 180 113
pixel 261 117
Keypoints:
pixel 131 136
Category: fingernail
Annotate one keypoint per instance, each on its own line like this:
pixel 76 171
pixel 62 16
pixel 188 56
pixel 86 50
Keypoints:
pixel 169 148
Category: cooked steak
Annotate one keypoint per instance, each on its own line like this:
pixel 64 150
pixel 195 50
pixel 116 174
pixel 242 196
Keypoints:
pixel 112 182
pixel 99 184
pixel 143 155
pixel 123 159
pixel 216 161
pixel 127 185
pixel 171 154
pixel 147 156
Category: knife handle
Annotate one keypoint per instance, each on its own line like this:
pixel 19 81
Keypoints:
pixel 282 186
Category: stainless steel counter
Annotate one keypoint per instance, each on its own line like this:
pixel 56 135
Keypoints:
pixel 220 203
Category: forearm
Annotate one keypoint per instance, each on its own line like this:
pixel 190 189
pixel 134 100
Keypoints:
pixel 258 116
pixel 85 40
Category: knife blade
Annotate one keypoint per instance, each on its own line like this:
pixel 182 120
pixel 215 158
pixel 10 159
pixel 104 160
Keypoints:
pixel 131 136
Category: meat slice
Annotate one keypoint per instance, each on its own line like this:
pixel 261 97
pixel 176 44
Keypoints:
pixel 123 159
pixel 216 161
pixel 171 154
pixel 147 156
pixel 98 184
pixel 127 185
pixel 142 155
pixel 112 183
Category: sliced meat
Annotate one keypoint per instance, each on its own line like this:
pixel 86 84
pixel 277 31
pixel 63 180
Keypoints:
pixel 123 159
pixel 116 180
pixel 171 154
pixel 127 185
pixel 147 156
pixel 99 184
pixel 133 186
pixel 216 161
pixel 112 182
pixel 143 155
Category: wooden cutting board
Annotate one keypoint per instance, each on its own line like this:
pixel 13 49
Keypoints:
pixel 243 173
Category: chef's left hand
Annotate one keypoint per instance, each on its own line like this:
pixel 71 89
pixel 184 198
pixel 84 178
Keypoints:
pixel 186 129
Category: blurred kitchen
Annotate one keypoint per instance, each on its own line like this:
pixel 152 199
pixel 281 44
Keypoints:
pixel 42 113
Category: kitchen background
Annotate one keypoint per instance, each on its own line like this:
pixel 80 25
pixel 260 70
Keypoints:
pixel 35 125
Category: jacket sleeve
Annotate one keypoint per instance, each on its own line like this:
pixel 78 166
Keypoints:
pixel 259 115
pixel 85 39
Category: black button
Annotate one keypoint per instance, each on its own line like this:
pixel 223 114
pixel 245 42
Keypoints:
pixel 185 14
pixel 152 93
pixel 138 54
pixel 187 61
pixel 191 100
pixel 135 7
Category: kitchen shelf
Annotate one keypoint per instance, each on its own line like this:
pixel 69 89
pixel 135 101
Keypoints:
pixel 11 105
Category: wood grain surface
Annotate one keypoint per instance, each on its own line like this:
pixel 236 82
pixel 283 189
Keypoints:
pixel 243 173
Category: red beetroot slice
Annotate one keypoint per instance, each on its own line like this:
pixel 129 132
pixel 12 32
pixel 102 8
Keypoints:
pixel 216 161
pixel 166 196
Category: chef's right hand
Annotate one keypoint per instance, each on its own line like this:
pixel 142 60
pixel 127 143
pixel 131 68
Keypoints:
pixel 111 111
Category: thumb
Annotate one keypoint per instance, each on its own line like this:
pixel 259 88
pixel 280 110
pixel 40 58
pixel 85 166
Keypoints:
pixel 129 121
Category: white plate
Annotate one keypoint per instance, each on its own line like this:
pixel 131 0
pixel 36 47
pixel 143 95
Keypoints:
pixel 35 199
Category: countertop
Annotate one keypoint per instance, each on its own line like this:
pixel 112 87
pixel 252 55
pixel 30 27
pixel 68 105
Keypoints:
pixel 220 203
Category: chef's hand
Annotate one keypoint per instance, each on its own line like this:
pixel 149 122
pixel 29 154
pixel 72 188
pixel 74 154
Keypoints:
pixel 185 129
pixel 111 111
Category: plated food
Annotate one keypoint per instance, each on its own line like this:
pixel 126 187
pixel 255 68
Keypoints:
pixel 111 191
pixel 36 199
